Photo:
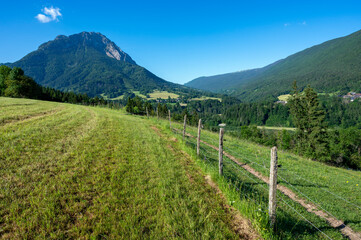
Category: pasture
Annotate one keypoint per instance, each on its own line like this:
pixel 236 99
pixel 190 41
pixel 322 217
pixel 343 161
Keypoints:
pixel 70 171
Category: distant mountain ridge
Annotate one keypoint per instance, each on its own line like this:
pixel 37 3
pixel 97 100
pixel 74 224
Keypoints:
pixel 90 63
pixel 332 66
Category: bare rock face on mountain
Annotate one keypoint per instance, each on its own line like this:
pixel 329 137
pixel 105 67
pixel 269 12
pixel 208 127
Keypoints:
pixel 90 63
pixel 88 40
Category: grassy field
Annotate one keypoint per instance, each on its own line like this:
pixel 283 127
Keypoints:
pixel 284 97
pixel 69 171
pixel 334 190
pixel 137 93
pixel 276 128
pixel 206 98
pixel 162 95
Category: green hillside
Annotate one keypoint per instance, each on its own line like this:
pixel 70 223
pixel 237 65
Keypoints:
pixel 75 172
pixel 71 171
pixel 333 190
pixel 89 63
pixel 332 66
pixel 223 82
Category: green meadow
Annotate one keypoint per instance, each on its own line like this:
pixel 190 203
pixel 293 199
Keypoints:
pixel 336 191
pixel 69 171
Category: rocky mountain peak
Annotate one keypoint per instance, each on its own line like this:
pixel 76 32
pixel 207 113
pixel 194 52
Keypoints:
pixel 94 40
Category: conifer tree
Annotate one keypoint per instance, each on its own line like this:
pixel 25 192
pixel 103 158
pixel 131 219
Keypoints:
pixel 309 119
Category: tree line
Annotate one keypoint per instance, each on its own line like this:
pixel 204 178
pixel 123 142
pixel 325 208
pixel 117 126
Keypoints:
pixel 13 83
pixel 319 134
pixel 328 129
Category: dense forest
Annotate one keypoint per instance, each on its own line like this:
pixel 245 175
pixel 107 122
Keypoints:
pixel 13 83
pixel 332 126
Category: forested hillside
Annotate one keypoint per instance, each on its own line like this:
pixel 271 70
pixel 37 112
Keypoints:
pixel 333 66
pixel 223 82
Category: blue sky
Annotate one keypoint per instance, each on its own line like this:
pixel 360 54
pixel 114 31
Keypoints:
pixel 182 40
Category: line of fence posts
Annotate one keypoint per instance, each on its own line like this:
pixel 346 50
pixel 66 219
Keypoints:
pixel 272 179
pixel 157 113
pixel 170 123
pixel 199 135
pixel 273 187
pixel 220 149
pixel 273 168
pixel 184 125
pixel 146 109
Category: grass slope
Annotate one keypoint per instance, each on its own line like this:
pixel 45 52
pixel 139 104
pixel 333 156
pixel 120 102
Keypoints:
pixel 335 190
pixel 69 171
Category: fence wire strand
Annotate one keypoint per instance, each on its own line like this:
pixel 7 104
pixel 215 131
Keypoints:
pixel 206 150
pixel 304 218
pixel 319 187
pixel 314 202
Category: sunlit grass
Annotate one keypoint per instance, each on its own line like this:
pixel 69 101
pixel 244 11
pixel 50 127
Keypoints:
pixel 94 173
pixel 335 190
pixel 162 95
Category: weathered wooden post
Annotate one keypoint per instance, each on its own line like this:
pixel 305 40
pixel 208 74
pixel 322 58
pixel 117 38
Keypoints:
pixel 184 126
pixel 157 113
pixel 146 109
pixel 221 132
pixel 170 122
pixel 199 135
pixel 273 187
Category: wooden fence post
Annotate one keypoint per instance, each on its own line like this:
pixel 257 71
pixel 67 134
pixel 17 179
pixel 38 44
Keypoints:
pixel 147 112
pixel 184 126
pixel 170 122
pixel 273 187
pixel 157 113
pixel 199 135
pixel 221 132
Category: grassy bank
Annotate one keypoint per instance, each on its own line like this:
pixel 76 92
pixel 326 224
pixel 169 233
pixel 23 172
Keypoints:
pixel 334 190
pixel 69 171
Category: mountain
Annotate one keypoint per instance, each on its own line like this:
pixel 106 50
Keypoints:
pixel 90 63
pixel 219 83
pixel 333 66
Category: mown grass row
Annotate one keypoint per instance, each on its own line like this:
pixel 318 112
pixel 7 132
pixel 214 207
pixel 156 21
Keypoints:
pixel 335 190
pixel 15 110
pixel 86 172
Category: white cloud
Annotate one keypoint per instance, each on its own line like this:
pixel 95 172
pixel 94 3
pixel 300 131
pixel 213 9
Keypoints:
pixel 42 18
pixel 287 24
pixel 51 14
pixel 304 23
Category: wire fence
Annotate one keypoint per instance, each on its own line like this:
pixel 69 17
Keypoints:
pixel 209 153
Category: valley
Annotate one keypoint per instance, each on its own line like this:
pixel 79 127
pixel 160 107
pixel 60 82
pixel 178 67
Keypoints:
pixel 180 120
pixel 80 172
pixel 114 169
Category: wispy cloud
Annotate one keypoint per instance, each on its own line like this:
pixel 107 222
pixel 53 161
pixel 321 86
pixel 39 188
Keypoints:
pixel 51 14
pixel 303 23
